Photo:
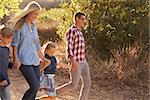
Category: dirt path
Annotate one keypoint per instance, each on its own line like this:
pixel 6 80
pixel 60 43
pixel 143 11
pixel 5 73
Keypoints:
pixel 19 86
pixel 98 90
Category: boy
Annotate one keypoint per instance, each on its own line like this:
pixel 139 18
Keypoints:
pixel 6 35
pixel 3 80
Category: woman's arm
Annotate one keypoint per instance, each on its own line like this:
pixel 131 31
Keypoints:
pixel 15 44
pixel 42 57
pixel 17 63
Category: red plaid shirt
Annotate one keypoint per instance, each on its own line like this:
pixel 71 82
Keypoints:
pixel 76 44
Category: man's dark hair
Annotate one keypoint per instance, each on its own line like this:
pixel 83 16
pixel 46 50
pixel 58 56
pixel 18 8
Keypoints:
pixel 78 14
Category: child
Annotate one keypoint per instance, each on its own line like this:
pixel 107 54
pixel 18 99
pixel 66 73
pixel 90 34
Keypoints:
pixel 3 80
pixel 47 80
pixel 6 35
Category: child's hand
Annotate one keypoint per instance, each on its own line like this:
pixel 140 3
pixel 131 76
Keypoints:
pixel 43 65
pixel 43 60
pixel 47 61
pixel 4 83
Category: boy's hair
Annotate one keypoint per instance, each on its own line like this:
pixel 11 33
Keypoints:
pixel 78 14
pixel 49 45
pixel 7 32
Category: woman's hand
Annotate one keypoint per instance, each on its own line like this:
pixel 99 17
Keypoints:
pixel 16 64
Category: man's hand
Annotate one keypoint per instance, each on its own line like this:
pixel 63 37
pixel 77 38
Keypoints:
pixel 4 83
pixel 74 64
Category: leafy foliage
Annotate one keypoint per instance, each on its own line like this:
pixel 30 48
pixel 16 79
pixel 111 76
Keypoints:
pixel 112 24
pixel 117 24
pixel 63 15
pixel 8 6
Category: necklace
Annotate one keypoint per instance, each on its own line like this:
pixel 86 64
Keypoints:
pixel 31 33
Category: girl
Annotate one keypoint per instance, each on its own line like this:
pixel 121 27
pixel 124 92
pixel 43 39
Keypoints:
pixel 47 80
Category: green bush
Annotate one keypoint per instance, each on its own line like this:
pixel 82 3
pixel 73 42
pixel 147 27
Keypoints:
pixel 8 6
pixel 117 24
pixel 112 24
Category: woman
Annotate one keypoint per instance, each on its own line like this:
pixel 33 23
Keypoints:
pixel 26 48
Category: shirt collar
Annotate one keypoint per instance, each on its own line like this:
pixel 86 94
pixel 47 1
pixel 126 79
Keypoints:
pixel 74 26
pixel 47 56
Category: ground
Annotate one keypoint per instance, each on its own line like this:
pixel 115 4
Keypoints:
pixel 99 91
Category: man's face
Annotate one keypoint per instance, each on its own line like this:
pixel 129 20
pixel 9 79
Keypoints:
pixel 81 21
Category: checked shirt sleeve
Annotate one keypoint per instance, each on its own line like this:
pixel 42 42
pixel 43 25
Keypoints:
pixel 70 38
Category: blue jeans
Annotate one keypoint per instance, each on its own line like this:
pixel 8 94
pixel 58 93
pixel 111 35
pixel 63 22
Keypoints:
pixel 32 76
pixel 5 93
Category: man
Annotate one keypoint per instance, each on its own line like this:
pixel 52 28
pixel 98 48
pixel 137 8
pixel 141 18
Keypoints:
pixel 76 55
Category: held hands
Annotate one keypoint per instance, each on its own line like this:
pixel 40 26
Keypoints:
pixel 45 60
pixel 4 83
pixel 16 64
pixel 43 64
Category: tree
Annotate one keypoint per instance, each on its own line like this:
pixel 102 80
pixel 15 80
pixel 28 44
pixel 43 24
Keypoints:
pixel 112 24
pixel 117 24
pixel 8 6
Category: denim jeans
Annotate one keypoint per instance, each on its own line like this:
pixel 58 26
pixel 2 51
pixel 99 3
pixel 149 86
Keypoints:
pixel 5 93
pixel 32 76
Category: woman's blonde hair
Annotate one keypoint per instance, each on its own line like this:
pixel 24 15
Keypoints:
pixel 20 19
pixel 20 23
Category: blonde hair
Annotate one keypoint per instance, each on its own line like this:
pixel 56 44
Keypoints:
pixel 20 23
pixel 21 17
pixel 48 46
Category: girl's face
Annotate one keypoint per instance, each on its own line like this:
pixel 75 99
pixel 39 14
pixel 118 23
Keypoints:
pixel 33 15
pixel 51 52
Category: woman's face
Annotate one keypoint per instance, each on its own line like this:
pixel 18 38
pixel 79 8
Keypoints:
pixel 33 15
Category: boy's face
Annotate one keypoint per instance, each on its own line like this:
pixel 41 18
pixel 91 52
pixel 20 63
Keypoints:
pixel 7 40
